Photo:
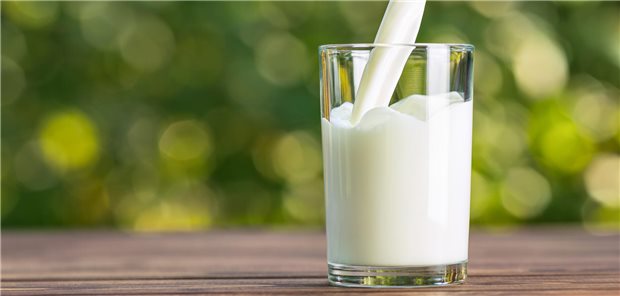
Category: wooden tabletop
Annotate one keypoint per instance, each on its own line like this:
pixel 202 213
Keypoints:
pixel 549 261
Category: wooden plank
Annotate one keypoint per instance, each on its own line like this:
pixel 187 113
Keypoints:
pixel 549 261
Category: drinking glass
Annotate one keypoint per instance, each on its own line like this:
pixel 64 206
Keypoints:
pixel 397 181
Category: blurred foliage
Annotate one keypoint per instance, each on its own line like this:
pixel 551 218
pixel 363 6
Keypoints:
pixel 188 115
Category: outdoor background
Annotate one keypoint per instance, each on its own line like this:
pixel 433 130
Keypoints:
pixel 194 115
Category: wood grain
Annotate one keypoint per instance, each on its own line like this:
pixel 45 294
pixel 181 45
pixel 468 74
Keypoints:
pixel 537 261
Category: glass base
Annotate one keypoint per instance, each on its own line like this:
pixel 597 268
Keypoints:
pixel 396 277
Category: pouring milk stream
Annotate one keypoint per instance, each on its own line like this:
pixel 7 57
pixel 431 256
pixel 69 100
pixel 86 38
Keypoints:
pixel 400 25
pixel 397 177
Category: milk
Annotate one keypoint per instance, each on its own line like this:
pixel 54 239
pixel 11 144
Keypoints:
pixel 397 182
pixel 400 25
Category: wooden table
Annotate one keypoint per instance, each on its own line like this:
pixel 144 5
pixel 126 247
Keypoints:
pixel 549 261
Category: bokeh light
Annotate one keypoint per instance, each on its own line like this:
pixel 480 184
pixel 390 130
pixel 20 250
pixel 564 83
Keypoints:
pixel 185 140
pixel 32 14
pixel 167 216
pixel 146 44
pixel 282 59
pixel 102 23
pixel 565 148
pixel 603 180
pixel 69 140
pixel 297 157
pixel 305 202
pixel 540 66
pixel 179 206
pixel 525 192
pixel 557 141
pixel 505 34
pixel 601 118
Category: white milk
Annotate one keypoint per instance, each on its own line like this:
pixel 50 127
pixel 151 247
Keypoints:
pixel 400 25
pixel 397 182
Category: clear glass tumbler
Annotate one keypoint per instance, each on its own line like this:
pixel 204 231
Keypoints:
pixel 397 179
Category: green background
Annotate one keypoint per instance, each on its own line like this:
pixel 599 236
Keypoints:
pixel 191 115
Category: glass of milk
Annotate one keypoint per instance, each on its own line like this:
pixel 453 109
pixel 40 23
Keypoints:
pixel 397 180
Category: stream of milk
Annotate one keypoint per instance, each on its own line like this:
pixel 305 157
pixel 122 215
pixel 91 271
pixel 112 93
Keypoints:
pixel 400 25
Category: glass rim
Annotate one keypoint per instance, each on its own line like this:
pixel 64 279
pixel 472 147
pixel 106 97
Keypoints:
pixel 420 46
